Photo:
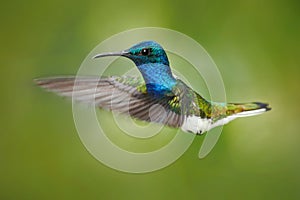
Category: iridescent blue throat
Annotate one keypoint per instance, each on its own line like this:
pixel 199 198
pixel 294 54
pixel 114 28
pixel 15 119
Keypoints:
pixel 158 78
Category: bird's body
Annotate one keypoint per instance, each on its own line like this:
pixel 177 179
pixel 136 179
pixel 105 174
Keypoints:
pixel 156 97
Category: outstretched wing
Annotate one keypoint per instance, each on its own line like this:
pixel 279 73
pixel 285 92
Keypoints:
pixel 126 95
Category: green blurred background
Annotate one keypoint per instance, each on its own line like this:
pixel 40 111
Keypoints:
pixel 254 43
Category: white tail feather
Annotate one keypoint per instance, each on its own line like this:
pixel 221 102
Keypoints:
pixel 251 112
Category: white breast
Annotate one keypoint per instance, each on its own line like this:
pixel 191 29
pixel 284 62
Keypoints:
pixel 196 124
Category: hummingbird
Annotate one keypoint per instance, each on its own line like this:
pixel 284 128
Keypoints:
pixel 157 96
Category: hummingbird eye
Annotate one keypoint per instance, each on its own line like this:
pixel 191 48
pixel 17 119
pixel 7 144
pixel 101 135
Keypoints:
pixel 145 52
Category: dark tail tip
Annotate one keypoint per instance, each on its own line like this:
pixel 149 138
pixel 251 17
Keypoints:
pixel 263 105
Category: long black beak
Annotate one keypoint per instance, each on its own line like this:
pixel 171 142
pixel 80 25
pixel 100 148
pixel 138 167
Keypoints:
pixel 121 53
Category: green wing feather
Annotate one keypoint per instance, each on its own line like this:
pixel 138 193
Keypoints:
pixel 123 94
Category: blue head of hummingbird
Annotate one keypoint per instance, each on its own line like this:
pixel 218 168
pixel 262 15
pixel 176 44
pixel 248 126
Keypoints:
pixel 179 105
pixel 152 61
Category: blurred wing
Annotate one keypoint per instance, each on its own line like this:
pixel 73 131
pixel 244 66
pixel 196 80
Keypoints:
pixel 122 94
